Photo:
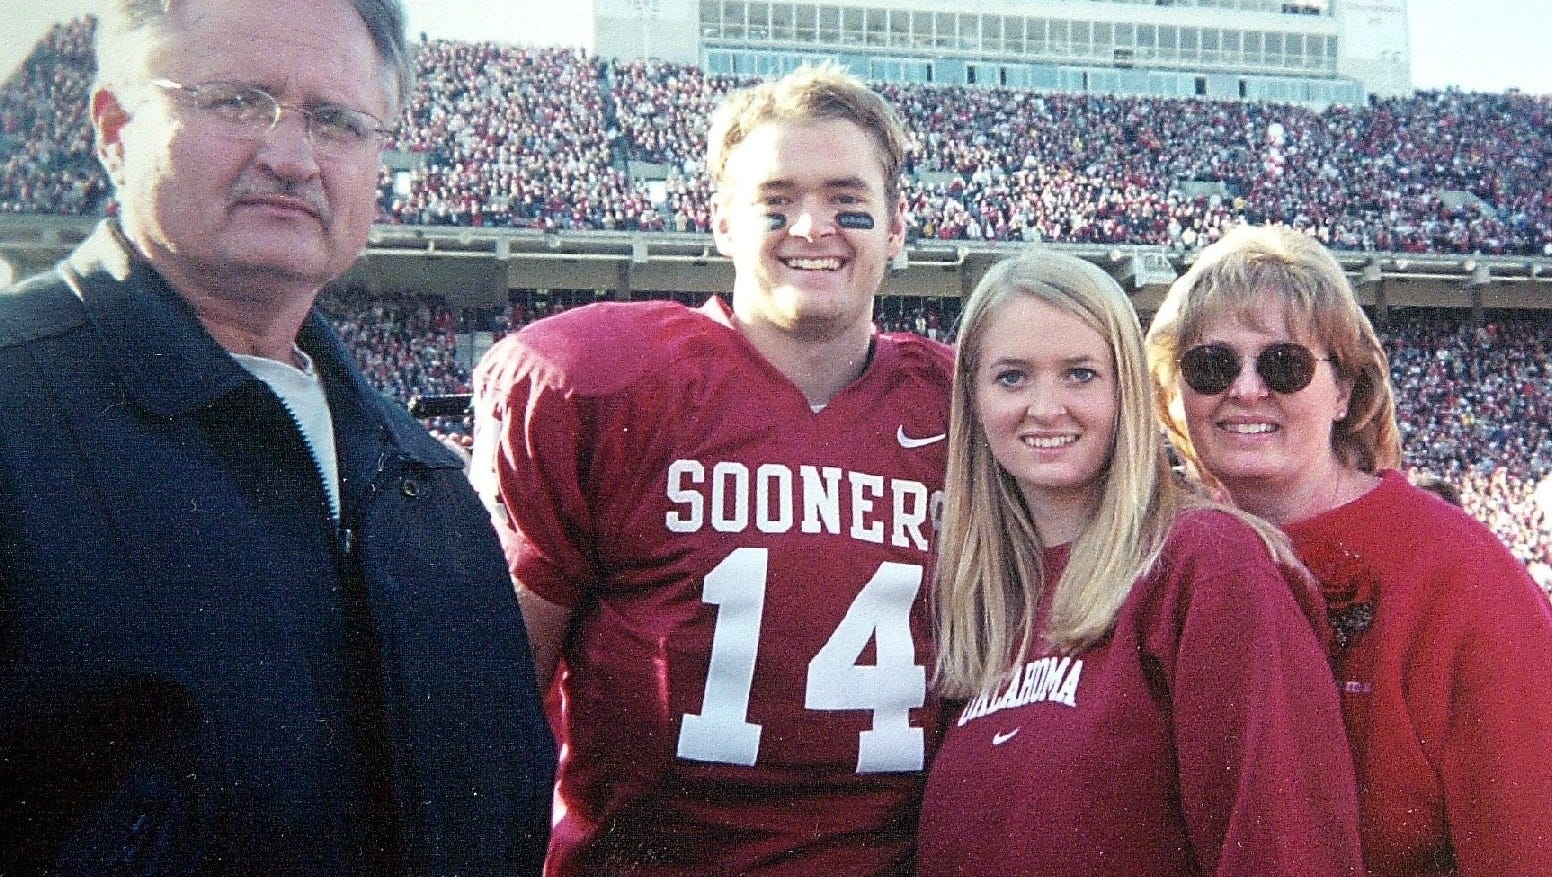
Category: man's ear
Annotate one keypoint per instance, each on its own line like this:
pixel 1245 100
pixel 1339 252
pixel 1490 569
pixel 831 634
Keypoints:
pixel 721 226
pixel 108 119
pixel 897 228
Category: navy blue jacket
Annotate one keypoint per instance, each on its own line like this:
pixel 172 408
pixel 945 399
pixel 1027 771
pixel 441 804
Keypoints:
pixel 200 673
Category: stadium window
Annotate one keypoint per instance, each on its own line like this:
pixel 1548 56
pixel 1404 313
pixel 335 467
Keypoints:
pixel 782 27
pixel 1189 38
pixel 1233 51
pixel 906 29
pixel 806 23
pixel 1201 86
pixel 1083 38
pixel 1274 49
pixel 943 30
pixel 1034 39
pixel 829 24
pixel 1104 38
pixel 1314 53
pixel 1210 45
pixel 1060 40
pixel 969 32
pixel 992 28
pixel 876 28
pixel 854 27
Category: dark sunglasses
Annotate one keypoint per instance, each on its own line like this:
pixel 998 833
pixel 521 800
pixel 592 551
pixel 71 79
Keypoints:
pixel 1286 368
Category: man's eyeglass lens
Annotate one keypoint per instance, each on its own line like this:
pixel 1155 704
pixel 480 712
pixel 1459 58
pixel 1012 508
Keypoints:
pixel 253 112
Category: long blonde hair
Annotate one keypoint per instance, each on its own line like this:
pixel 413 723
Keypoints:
pixel 990 574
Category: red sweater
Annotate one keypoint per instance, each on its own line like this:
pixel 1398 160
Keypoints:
pixel 1201 738
pixel 1448 695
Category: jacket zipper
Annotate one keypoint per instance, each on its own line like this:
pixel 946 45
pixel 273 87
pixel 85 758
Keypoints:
pixel 345 536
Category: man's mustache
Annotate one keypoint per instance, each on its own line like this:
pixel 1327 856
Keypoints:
pixel 309 193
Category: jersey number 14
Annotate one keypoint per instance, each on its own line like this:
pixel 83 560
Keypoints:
pixel 721 731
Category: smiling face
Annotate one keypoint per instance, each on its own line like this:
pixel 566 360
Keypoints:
pixel 815 275
pixel 215 212
pixel 1046 399
pixel 1257 441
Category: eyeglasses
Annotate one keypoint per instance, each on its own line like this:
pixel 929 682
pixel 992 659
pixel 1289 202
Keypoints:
pixel 248 112
pixel 1286 367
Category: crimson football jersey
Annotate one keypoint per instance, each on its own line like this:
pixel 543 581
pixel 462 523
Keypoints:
pixel 744 690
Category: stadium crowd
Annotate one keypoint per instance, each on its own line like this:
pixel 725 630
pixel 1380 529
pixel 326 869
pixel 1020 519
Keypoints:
pixel 512 137
pixel 556 139
pixel 547 139
pixel 46 160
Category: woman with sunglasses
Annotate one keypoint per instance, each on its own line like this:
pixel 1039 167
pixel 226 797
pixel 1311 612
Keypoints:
pixel 1141 687
pixel 1276 392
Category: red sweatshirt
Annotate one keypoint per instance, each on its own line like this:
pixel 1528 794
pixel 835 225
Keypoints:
pixel 1203 737
pixel 1448 695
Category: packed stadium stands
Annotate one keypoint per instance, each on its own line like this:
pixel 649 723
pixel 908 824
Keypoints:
pixel 46 160
pixel 546 138
pixel 553 139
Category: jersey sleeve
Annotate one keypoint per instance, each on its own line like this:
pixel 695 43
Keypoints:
pixel 530 440
pixel 1266 781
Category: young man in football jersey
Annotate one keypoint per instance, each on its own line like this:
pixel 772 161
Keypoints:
pixel 720 519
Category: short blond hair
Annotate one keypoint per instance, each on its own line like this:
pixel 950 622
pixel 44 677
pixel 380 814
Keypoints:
pixel 126 27
pixel 809 93
pixel 1229 279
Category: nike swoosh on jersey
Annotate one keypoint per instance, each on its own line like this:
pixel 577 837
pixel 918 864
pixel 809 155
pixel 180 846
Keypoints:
pixel 1000 738
pixel 908 442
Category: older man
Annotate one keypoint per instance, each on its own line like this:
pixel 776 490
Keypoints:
pixel 252 619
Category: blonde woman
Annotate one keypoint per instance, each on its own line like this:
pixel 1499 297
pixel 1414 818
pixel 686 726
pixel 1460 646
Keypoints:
pixel 1277 392
pixel 1145 690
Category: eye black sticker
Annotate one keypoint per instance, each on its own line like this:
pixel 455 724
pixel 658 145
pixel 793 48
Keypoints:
pixel 854 219
pixel 776 221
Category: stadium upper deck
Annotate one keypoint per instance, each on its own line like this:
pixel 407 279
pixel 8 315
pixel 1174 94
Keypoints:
pixel 551 168
pixel 1265 51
